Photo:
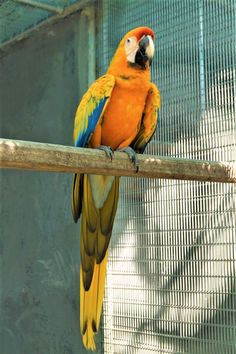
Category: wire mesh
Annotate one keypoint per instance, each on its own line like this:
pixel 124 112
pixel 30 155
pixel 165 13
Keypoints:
pixel 171 272
pixel 17 17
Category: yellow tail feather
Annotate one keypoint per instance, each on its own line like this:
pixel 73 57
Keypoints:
pixel 91 303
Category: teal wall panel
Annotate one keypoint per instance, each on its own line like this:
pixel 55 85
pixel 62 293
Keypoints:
pixel 39 242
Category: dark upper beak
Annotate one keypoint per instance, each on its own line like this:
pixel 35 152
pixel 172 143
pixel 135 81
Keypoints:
pixel 141 57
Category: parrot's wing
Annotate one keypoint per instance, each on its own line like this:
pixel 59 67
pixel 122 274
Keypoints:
pixel 91 108
pixel 149 120
pixel 88 114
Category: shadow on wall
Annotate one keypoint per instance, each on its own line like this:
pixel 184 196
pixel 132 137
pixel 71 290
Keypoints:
pixel 172 273
pixel 193 283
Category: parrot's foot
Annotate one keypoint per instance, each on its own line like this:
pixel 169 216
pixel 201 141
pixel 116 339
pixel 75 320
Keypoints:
pixel 132 155
pixel 108 150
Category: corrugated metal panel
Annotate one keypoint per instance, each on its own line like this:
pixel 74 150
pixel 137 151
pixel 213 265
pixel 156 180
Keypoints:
pixel 171 273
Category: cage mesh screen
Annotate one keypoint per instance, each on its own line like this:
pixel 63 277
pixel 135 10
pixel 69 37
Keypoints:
pixel 171 272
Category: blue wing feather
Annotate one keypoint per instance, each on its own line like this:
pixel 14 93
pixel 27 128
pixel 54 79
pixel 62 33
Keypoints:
pixel 83 136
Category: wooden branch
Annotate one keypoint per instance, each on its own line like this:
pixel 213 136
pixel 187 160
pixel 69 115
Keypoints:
pixel 27 155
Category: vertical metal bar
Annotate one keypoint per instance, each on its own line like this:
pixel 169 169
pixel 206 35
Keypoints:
pixel 201 56
pixel 90 13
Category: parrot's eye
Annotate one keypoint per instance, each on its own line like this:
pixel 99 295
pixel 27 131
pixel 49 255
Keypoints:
pixel 131 46
pixel 130 42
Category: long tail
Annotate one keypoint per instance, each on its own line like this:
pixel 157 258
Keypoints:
pixel 99 204
pixel 91 304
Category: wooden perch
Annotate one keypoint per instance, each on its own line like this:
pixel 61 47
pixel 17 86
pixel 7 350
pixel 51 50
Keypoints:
pixel 27 155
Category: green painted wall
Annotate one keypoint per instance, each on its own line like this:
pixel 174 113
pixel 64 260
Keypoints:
pixel 39 242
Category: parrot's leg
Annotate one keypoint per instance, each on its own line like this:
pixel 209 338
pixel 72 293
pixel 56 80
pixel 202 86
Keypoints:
pixel 108 150
pixel 132 155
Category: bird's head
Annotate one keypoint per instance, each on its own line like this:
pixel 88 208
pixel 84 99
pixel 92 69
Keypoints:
pixel 139 47
pixel 136 49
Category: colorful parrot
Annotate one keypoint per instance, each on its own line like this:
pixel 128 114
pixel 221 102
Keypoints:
pixel 118 112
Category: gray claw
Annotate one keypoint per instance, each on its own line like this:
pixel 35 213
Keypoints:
pixel 132 155
pixel 108 151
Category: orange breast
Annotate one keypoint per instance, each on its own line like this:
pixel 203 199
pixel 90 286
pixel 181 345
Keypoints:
pixel 123 114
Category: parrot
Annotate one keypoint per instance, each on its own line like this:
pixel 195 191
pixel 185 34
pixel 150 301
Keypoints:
pixel 118 112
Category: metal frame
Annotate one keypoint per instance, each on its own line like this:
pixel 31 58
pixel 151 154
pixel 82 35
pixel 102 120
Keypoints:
pixel 40 5
pixel 58 15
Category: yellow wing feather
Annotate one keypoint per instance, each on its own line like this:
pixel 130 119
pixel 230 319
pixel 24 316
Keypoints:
pixel 99 90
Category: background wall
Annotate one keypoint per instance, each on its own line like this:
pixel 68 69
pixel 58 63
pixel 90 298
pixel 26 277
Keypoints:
pixel 39 244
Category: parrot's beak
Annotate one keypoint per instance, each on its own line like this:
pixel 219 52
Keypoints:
pixel 145 51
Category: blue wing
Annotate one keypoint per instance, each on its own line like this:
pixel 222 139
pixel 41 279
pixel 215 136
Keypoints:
pixel 93 118
pixel 91 109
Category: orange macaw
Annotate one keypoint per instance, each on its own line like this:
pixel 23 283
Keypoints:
pixel 118 112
